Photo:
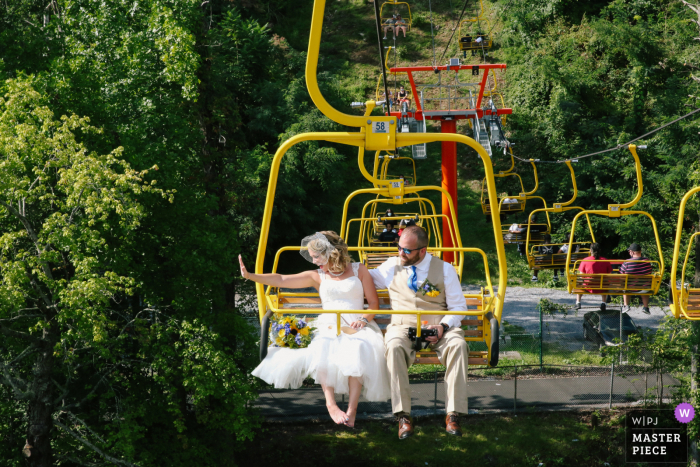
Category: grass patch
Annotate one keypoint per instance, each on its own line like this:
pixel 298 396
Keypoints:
pixel 547 439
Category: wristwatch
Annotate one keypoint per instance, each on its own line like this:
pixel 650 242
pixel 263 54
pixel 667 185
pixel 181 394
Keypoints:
pixel 445 327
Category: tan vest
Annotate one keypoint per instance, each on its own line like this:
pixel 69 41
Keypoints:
pixel 403 298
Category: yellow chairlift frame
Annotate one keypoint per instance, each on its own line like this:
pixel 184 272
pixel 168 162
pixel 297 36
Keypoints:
pixel 368 227
pixel 522 197
pixel 385 168
pixel 581 283
pixel 383 15
pixel 465 33
pixel 370 137
pixel 685 299
pixel 556 261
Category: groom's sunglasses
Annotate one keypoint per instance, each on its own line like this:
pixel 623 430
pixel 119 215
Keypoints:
pixel 406 251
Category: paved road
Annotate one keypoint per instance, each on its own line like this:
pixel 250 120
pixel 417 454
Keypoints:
pixel 520 309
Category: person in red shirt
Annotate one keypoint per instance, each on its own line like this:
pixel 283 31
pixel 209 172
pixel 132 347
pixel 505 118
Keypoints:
pixel 594 267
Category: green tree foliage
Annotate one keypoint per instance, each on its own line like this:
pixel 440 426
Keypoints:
pixel 586 76
pixel 147 358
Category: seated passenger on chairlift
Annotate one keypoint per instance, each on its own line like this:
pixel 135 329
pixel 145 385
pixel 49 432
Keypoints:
pixel 597 267
pixel 403 96
pixel 351 363
pixel 547 250
pixel 636 265
pixel 406 223
pixel 400 26
pixel 389 235
pixel 563 250
pixel 390 26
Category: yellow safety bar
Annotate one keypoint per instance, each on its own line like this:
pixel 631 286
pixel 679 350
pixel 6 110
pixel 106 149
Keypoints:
pixel 376 133
pixel 681 306
pixel 616 211
pixel 489 304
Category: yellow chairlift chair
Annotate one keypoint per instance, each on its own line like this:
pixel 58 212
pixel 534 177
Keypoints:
pixel 379 133
pixel 626 284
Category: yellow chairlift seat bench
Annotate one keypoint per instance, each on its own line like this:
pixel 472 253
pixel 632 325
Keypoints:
pixel 478 325
pixel 615 283
pixel 538 261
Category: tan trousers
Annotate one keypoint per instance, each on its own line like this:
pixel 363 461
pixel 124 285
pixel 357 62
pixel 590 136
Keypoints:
pixel 453 352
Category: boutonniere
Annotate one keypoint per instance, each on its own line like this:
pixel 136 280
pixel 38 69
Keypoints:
pixel 429 289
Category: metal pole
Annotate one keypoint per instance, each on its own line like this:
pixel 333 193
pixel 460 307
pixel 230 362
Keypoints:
pixel 540 308
pixel 449 183
pixel 515 390
pixel 612 375
pixel 381 53
pixel 646 387
pixel 435 395
pixel 620 351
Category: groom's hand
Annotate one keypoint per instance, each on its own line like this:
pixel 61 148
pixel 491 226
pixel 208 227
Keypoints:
pixel 433 339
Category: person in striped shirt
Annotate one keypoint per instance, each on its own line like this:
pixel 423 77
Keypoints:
pixel 636 265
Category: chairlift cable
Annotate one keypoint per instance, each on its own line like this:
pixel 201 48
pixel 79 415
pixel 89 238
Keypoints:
pixel 381 54
pixel 453 30
pixel 432 38
pixel 619 146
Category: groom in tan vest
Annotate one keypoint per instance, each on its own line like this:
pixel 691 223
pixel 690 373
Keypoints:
pixel 405 276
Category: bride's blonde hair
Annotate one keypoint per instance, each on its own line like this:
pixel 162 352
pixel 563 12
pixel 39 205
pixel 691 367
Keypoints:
pixel 339 257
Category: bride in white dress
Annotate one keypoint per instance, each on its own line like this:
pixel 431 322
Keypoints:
pixel 350 363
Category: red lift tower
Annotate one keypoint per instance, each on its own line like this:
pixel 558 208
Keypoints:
pixel 449 100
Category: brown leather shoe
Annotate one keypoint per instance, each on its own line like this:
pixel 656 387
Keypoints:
pixel 405 427
pixel 452 422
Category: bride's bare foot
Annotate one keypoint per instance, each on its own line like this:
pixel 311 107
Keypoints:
pixel 337 415
pixel 351 418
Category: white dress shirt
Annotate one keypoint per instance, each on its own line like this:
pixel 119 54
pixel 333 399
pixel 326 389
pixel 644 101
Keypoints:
pixel 384 274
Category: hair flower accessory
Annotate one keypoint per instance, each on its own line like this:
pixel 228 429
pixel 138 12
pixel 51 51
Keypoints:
pixel 429 289
pixel 319 244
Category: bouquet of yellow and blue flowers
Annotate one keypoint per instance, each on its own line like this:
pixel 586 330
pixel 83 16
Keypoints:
pixel 290 331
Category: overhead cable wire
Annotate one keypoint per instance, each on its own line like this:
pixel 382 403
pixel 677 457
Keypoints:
pixel 432 38
pixel 619 146
pixel 381 55
pixel 454 29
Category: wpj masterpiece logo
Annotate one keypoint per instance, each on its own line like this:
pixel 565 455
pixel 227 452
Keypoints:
pixel 658 436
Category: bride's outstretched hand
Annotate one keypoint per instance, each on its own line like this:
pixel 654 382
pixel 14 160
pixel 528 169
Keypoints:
pixel 244 271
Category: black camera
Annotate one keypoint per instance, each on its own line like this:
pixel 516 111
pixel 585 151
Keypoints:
pixel 419 343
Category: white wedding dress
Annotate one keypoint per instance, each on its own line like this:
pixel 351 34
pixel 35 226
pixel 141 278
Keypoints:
pixel 331 359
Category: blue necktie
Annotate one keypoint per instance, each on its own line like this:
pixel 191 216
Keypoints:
pixel 413 280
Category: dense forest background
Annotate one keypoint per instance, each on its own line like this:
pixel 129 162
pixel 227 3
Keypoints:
pixel 135 144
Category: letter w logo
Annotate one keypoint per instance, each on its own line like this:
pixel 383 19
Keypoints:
pixel 685 413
